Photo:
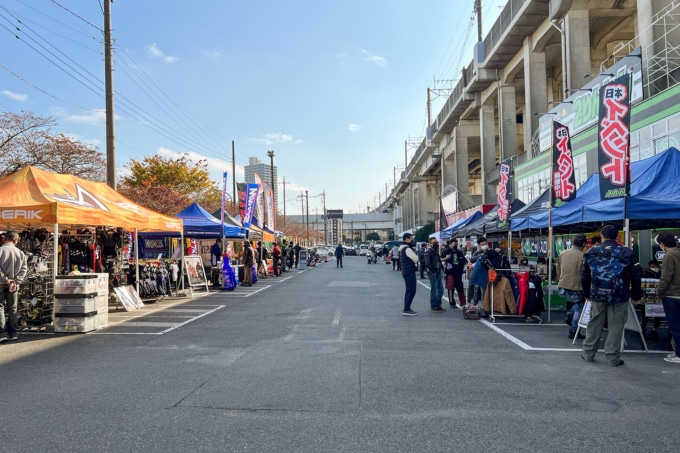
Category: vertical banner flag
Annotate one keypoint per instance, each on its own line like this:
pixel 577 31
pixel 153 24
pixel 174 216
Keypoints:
pixel 224 195
pixel 613 137
pixel 252 191
pixel 563 176
pixel 443 224
pixel 260 201
pixel 269 206
pixel 504 192
pixel 241 187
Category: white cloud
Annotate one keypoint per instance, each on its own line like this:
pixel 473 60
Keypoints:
pixel 271 138
pixel 97 117
pixel 212 54
pixel 15 96
pixel 155 52
pixel 89 141
pixel 215 166
pixel 354 127
pixel 380 61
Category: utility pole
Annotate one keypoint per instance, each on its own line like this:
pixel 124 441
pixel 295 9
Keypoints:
pixel 108 81
pixel 233 171
pixel 429 109
pixel 478 10
pixel 284 203
pixel 307 198
pixel 405 154
pixel 270 153
pixel 302 209
pixel 325 221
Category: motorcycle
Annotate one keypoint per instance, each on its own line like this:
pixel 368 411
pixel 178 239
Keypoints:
pixel 371 256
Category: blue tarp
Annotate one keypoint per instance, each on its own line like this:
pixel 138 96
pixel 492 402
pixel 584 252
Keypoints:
pixel 447 232
pixel 199 223
pixel 654 200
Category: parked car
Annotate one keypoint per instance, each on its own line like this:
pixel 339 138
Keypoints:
pixel 363 249
pixel 350 251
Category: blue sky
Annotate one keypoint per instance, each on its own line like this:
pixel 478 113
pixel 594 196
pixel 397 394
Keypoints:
pixel 335 88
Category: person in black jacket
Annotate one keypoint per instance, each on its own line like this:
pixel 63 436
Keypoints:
pixel 408 271
pixel 609 304
pixel 454 267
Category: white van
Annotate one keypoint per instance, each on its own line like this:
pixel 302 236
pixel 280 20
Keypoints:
pixel 363 249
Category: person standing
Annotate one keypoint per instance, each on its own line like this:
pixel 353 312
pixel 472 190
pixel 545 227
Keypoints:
pixel 433 263
pixel 479 276
pixel 569 268
pixel 284 256
pixel 216 252
pixel 421 260
pixel 669 288
pixel 13 269
pixel 454 267
pixel 339 253
pixel 395 257
pixel 408 271
pixel 297 249
pixel 276 256
pixel 610 278
pixel 248 261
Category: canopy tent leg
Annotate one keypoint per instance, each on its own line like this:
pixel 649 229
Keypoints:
pixel 55 251
pixel 137 260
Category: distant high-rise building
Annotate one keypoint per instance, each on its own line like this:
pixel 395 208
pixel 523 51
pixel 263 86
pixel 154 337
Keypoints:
pixel 265 172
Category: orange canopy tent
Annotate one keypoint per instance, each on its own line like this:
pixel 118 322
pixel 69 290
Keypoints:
pixel 33 198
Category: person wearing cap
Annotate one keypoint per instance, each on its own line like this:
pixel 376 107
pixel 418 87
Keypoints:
pixel 569 267
pixel 433 264
pixel 454 266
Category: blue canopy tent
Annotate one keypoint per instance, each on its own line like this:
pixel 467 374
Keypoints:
pixel 486 224
pixel 199 223
pixel 450 231
pixel 516 208
pixel 652 203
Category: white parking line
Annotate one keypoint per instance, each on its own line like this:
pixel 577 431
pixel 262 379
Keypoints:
pixel 171 325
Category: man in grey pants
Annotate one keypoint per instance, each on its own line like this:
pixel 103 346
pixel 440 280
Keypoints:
pixel 13 268
pixel 610 277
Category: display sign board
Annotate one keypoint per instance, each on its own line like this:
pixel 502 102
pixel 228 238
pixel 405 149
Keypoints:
pixel 334 213
pixel 193 266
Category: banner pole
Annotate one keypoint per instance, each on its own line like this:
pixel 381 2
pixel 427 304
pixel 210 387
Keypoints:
pixel 550 228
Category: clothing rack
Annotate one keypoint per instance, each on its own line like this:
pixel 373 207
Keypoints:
pixel 492 316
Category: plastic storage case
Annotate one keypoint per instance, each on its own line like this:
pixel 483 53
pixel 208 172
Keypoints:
pixel 76 322
pixel 75 303
pixel 81 284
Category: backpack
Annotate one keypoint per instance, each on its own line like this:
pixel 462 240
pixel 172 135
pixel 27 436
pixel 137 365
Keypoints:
pixel 607 270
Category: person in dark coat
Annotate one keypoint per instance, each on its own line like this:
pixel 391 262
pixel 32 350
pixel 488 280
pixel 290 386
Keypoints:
pixel 339 253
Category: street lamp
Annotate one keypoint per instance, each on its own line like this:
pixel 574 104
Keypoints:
pixel 270 153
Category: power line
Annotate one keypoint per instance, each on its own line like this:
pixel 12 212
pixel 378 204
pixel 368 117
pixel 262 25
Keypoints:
pixel 46 92
pixel 74 14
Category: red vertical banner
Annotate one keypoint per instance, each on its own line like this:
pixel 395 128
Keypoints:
pixel 241 200
pixel 613 138
pixel 504 193
pixel 563 176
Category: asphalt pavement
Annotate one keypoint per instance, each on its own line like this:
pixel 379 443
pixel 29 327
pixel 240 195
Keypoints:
pixel 321 360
